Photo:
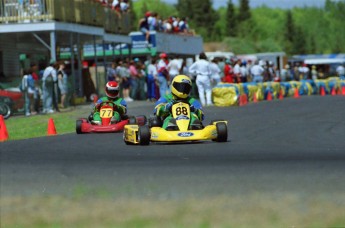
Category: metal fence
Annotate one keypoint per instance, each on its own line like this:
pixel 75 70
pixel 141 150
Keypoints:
pixel 86 12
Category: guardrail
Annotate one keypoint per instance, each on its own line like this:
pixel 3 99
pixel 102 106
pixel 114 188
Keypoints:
pixel 85 12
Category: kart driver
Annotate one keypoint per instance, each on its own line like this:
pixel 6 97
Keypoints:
pixel 112 90
pixel 181 87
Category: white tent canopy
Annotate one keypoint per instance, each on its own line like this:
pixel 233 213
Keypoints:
pixel 324 61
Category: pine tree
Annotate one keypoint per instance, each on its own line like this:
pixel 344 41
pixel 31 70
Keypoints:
pixel 289 32
pixel 244 12
pixel 299 42
pixel 204 17
pixel 230 19
pixel 184 8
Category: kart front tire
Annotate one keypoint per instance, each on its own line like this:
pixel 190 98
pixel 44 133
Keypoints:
pixel 144 135
pixel 78 126
pixel 222 132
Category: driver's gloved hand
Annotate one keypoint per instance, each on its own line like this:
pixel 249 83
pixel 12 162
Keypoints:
pixel 192 108
pixel 168 106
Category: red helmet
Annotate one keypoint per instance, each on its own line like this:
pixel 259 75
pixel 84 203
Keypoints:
pixel 112 89
pixel 163 55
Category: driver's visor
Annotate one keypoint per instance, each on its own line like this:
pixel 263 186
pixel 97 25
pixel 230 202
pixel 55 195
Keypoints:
pixel 182 87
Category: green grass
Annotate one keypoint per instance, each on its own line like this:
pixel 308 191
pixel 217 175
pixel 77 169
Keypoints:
pixel 22 127
pixel 257 210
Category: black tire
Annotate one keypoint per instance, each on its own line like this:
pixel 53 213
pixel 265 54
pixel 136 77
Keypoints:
pixel 144 135
pixel 5 110
pixel 132 120
pixel 213 121
pixel 78 127
pixel 222 132
pixel 155 121
pixel 141 120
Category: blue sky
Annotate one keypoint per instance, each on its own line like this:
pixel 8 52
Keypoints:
pixel 285 4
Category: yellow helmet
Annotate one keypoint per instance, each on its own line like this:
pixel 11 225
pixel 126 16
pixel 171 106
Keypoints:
pixel 181 86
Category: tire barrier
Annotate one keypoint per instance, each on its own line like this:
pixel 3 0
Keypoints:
pixel 231 94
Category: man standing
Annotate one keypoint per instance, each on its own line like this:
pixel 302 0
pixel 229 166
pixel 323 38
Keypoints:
pixel 201 68
pixel 48 81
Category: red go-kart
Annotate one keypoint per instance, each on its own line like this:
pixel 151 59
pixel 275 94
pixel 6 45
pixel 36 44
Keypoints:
pixel 84 125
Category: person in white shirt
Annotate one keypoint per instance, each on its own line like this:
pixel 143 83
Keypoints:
pixel 244 71
pixel 257 71
pixel 341 71
pixel 48 80
pixel 152 75
pixel 237 71
pixel 201 68
pixel 215 72
pixel 174 67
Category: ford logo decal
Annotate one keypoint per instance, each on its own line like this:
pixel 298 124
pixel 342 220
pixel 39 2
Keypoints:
pixel 185 134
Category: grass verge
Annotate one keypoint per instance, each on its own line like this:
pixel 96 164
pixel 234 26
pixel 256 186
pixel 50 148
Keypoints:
pixel 21 127
pixel 220 211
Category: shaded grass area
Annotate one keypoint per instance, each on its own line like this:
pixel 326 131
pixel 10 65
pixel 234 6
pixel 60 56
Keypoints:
pixel 255 210
pixel 21 127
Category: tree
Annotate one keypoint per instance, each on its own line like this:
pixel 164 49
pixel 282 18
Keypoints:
pixel 289 32
pixel 230 19
pixel 299 42
pixel 244 11
pixel 184 8
pixel 204 17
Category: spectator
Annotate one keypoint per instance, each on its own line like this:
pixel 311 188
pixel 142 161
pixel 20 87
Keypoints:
pixel 28 88
pixel 111 72
pixel 285 74
pixel 244 71
pixel 228 72
pixel 62 83
pixel 34 74
pixel 183 26
pixel 133 72
pixel 152 76
pixel 152 21
pixel 141 93
pixel 201 68
pixel 163 74
pixel 257 71
pixel 48 80
pixel 341 71
pixel 174 67
pixel 237 71
pixel 303 72
pixel 314 72
pixel 144 26
pixel 123 72
pixel 215 72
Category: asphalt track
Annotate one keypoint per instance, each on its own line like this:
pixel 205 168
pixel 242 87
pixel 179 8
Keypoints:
pixel 288 146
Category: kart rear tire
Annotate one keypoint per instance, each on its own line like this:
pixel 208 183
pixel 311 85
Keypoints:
pixel 78 126
pixel 213 121
pixel 132 120
pixel 144 135
pixel 5 110
pixel 222 132
pixel 141 120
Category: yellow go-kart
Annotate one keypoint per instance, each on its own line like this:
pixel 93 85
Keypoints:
pixel 179 129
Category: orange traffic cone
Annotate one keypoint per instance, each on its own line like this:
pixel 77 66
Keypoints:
pixel 3 130
pixel 296 93
pixel 322 92
pixel 269 96
pixel 51 127
pixel 255 99
pixel 243 99
pixel 343 90
pixel 333 92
